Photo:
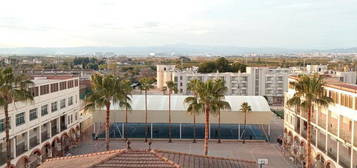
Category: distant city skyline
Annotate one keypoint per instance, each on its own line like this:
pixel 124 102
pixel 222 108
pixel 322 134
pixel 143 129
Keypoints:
pixel 303 24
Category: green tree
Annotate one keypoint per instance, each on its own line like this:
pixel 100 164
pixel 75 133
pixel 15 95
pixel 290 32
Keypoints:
pixel 13 88
pixel 125 103
pixel 106 90
pixel 145 85
pixel 309 91
pixel 222 64
pixel 210 94
pixel 172 87
pixel 245 108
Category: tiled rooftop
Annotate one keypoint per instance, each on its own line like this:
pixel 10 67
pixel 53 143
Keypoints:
pixel 145 158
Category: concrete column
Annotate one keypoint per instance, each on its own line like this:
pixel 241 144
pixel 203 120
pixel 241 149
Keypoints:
pixel 326 127
pixel 14 147
pixel 338 135
pixel 28 140
pixel 40 133
pixel 58 122
pixel 49 126
pixel 352 141
pixel 122 130
pixel 180 131
pixel 238 131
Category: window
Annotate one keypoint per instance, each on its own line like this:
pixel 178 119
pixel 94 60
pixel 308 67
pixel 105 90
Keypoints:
pixel 53 106
pixel 34 91
pixel 63 103
pixel 71 118
pixel 63 85
pixel 76 116
pixel 70 100
pixel 76 82
pixel 44 89
pixel 70 84
pixel 54 87
pixel 20 119
pixel 44 110
pixel 33 114
pixel 2 125
pixel 68 120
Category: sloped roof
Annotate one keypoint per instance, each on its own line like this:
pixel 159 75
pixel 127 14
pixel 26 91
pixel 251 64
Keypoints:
pixel 161 102
pixel 145 158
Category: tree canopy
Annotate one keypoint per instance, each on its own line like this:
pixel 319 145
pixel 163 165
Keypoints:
pixel 221 65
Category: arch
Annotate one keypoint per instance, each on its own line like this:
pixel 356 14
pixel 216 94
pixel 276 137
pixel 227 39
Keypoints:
pixel 46 151
pixel 56 147
pixel 65 142
pixel 329 164
pixel 37 150
pixel 22 162
pixel 319 156
pixel 35 158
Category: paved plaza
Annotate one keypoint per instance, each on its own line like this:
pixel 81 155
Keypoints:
pixel 229 149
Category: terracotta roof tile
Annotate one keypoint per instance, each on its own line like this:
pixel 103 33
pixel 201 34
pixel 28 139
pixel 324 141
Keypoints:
pixel 145 158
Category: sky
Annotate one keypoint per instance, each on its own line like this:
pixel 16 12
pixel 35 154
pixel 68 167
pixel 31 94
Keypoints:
pixel 295 24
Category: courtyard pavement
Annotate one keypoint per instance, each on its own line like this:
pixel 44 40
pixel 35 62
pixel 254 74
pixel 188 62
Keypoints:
pixel 229 149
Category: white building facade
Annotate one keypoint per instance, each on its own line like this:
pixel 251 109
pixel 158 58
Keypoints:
pixel 333 135
pixel 45 127
pixel 257 81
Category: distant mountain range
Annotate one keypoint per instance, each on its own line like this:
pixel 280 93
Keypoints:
pixel 164 50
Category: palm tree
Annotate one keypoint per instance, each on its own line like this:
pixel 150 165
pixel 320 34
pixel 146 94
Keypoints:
pixel 194 108
pixel 309 91
pixel 245 108
pixel 164 89
pixel 210 94
pixel 145 85
pixel 172 87
pixel 218 106
pixel 13 88
pixel 106 90
pixel 125 103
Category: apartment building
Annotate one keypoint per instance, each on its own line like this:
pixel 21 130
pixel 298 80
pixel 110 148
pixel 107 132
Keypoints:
pixel 256 81
pixel 45 127
pixel 334 134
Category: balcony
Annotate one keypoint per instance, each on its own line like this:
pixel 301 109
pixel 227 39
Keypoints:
pixel 54 131
pixel 20 149
pixel 44 136
pixel 332 155
pixel 2 158
pixel 63 127
pixel 333 126
pixel 33 141
pixel 322 120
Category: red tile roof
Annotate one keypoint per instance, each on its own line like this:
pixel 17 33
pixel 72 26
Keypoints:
pixel 145 158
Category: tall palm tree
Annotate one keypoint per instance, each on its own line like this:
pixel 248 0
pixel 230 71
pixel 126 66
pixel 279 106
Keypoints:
pixel 210 94
pixel 220 105
pixel 106 90
pixel 245 108
pixel 145 85
pixel 172 87
pixel 309 91
pixel 194 106
pixel 13 88
pixel 125 103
